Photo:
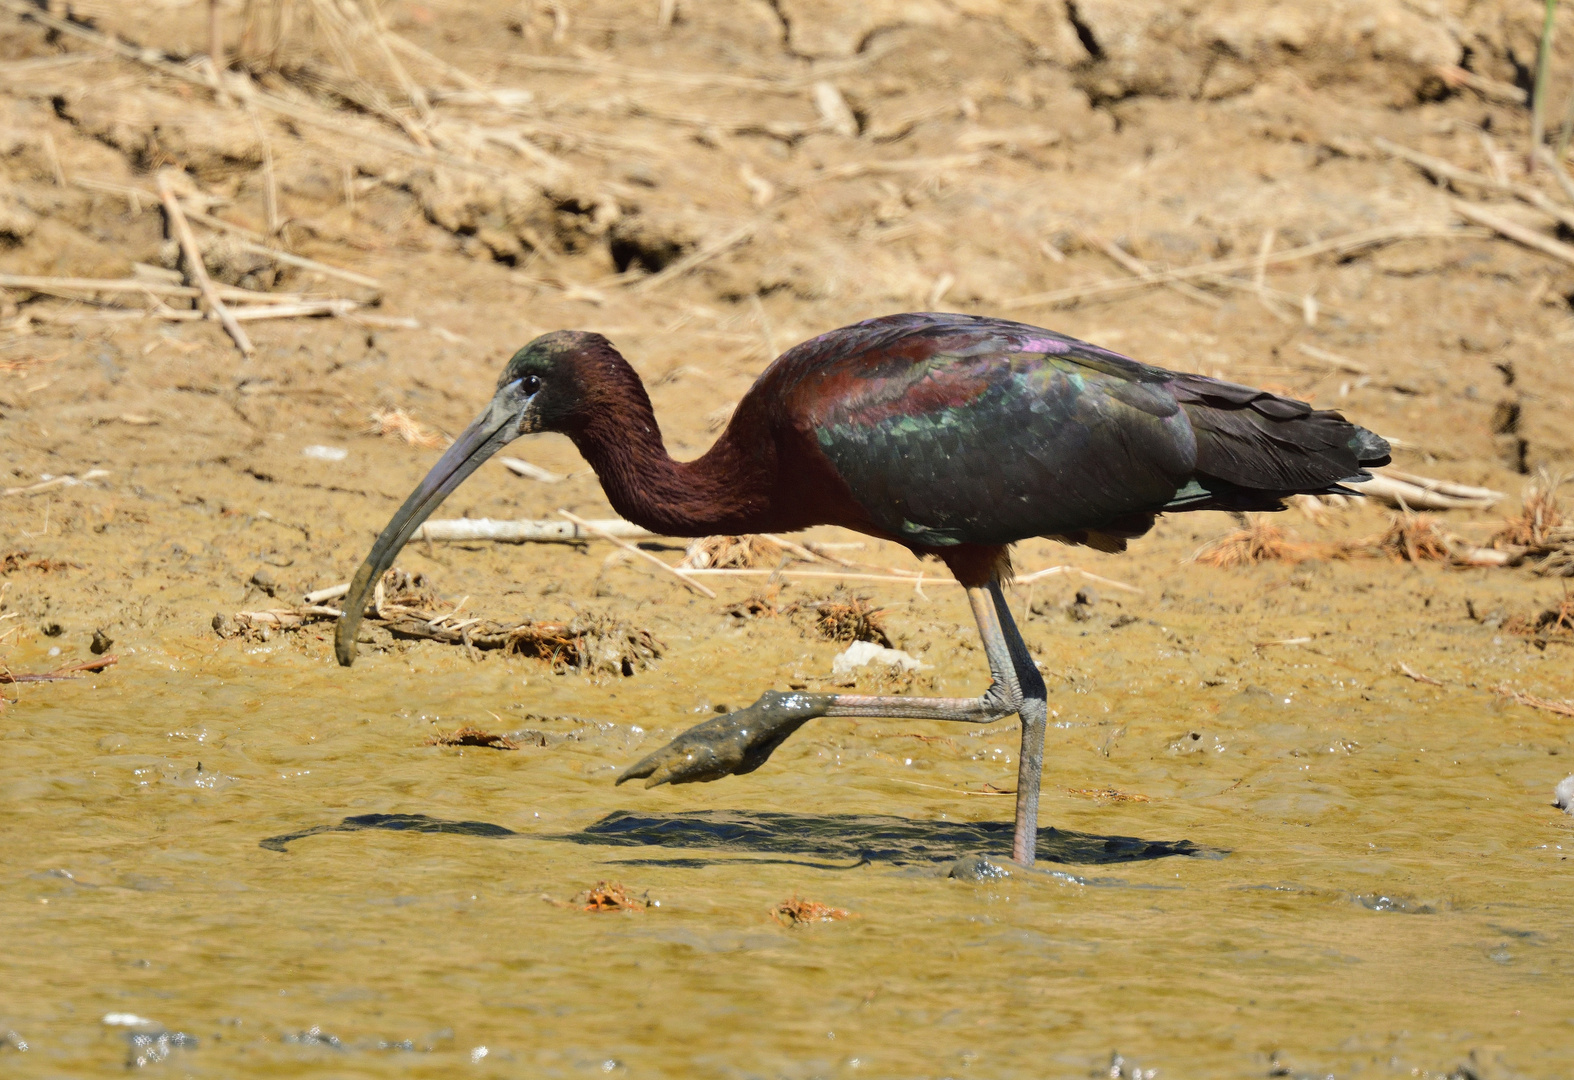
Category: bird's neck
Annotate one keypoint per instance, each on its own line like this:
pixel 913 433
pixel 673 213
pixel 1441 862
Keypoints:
pixel 725 491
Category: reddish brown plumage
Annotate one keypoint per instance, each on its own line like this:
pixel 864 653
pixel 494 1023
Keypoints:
pixel 762 475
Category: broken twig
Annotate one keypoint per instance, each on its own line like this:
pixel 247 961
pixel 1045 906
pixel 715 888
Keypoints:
pixel 195 268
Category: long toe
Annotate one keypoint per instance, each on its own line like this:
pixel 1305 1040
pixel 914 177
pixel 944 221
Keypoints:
pixel 688 759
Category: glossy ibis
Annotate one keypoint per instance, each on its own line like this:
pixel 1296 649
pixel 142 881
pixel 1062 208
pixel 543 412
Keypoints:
pixel 952 434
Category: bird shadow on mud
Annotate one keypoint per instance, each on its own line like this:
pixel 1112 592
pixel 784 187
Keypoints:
pixel 862 838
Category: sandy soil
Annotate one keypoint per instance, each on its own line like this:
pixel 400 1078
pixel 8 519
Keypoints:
pixel 944 155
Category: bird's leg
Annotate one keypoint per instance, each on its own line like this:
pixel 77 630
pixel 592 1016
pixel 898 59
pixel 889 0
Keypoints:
pixel 1033 709
pixel 741 741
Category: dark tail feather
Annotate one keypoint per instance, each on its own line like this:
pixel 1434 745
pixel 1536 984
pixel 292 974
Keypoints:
pixel 1255 448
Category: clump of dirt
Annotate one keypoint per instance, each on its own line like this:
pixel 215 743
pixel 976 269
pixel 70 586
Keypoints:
pixel 613 896
pixel 472 736
pixel 797 912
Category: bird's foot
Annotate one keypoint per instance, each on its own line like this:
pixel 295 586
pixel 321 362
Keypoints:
pixel 736 743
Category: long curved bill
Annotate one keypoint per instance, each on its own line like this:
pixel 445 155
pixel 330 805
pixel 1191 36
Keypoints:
pixel 486 435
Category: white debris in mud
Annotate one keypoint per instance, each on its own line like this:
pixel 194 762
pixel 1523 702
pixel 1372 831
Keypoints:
pixel 325 453
pixel 863 653
pixel 1563 795
pixel 125 1019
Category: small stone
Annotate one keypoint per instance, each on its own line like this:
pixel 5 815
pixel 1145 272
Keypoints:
pixel 977 868
pixel 264 580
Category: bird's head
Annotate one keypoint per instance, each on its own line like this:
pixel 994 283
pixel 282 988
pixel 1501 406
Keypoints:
pixel 546 386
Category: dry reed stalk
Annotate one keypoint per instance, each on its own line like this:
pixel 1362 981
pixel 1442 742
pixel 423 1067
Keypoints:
pixel 1490 89
pixel 1338 245
pixel 195 270
pixel 1513 231
pixel 1562 708
pixel 71 288
pixel 1130 262
pixel 1538 96
pixel 1554 162
pixel 1407 492
pixel 1342 363
pixel 1447 170
pixel 69 671
pixel 688 583
pixel 401 425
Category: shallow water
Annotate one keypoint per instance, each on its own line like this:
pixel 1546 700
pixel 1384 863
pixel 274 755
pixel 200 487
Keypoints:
pixel 1348 877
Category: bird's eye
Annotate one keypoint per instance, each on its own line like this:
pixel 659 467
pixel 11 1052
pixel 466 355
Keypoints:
pixel 530 383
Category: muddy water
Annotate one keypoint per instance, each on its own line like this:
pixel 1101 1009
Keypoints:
pixel 256 857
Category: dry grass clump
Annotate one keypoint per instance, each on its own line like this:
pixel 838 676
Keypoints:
pixel 1553 624
pixel 796 912
pixel 732 553
pixel 1411 538
pixel 1259 542
pixel 398 424
pixel 1540 532
pixel 760 605
pixel 848 619
pixel 472 736
pixel 1540 520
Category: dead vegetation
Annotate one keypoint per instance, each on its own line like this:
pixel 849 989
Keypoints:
pixel 797 912
pixel 1107 795
pixel 1555 623
pixel 1537 535
pixel 1260 541
pixel 733 553
pixel 12 561
pixel 846 619
pixel 1409 538
pixel 406 607
pixel 398 424
pixel 1519 697
pixel 613 896
pixel 66 671
pixel 472 736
